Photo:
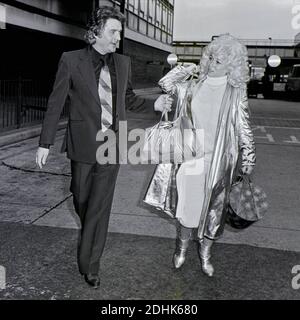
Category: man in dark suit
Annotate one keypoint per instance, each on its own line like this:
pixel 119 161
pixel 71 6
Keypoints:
pixel 80 84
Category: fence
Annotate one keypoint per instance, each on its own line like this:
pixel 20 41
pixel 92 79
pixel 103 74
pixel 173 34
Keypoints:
pixel 22 103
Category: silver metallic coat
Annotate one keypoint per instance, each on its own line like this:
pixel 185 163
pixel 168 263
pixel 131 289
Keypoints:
pixel 234 138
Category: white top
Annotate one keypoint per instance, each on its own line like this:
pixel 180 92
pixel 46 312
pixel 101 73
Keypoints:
pixel 206 105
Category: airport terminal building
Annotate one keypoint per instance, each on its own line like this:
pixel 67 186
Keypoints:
pixel 34 34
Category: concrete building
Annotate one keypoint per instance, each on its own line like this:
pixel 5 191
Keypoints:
pixel 258 49
pixel 148 37
pixel 34 34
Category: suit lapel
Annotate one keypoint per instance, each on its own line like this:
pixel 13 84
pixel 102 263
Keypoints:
pixel 87 72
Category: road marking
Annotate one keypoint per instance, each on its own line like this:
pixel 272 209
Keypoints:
pixel 268 136
pixel 2 278
pixel 287 128
pixel 293 140
pixel 284 119
pixel 261 128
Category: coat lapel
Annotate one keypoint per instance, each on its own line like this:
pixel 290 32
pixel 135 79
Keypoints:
pixel 87 72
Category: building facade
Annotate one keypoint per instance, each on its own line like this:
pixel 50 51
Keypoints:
pixel 33 31
pixel 258 49
pixel 34 34
pixel 148 37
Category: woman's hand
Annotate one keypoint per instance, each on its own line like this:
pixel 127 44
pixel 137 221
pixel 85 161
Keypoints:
pixel 247 170
pixel 163 103
pixel 168 85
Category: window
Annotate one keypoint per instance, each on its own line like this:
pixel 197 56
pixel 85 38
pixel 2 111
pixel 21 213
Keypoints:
pixel 132 6
pixel 164 17
pixel 132 21
pixel 153 18
pixel 151 10
pixel 143 8
pixel 158 15
pixel 296 71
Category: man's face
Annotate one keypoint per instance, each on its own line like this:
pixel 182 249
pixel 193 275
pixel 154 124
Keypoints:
pixel 109 38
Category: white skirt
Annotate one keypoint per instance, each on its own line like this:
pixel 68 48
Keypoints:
pixel 191 180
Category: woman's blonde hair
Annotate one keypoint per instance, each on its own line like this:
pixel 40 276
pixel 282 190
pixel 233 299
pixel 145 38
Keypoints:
pixel 231 52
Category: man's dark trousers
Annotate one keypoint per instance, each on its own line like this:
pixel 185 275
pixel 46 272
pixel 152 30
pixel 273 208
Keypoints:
pixel 92 186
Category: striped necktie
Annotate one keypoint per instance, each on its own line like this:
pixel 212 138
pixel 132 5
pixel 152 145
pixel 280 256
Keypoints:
pixel 105 94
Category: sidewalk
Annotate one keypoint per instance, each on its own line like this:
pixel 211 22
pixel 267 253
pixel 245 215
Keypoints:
pixel 41 264
pixel 39 230
pixel 16 135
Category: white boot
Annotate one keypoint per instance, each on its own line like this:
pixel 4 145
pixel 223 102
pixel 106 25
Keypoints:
pixel 205 254
pixel 180 252
pixel 182 243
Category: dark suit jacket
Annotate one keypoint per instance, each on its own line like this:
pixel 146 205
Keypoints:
pixel 75 85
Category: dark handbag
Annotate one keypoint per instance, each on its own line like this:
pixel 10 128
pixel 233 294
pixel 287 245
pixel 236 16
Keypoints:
pixel 247 203
pixel 173 141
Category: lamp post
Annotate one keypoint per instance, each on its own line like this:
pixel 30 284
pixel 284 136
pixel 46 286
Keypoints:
pixel 172 59
pixel 270 39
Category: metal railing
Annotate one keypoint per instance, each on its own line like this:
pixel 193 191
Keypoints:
pixel 22 103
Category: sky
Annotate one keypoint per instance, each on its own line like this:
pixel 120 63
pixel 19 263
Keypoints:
pixel 199 20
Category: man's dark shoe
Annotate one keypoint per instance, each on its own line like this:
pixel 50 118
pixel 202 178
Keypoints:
pixel 93 280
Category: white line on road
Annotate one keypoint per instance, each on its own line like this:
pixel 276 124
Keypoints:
pixel 261 128
pixel 268 136
pixel 288 128
pixel 293 140
pixel 267 118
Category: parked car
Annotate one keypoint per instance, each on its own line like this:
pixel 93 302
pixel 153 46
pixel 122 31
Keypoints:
pixel 293 83
pixel 255 85
pixel 275 78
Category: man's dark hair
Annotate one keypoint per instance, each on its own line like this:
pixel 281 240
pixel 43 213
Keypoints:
pixel 98 20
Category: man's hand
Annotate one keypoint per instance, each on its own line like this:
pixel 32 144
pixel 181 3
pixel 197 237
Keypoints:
pixel 247 170
pixel 163 103
pixel 41 156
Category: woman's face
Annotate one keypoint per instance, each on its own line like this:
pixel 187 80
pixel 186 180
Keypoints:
pixel 217 66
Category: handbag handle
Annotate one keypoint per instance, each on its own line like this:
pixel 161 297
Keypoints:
pixel 248 180
pixel 242 177
pixel 185 107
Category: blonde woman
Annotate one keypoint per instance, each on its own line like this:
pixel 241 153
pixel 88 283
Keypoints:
pixel 219 106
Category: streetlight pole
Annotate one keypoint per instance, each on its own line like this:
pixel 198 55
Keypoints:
pixel 270 39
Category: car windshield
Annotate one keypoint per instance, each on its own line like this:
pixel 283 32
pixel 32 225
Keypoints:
pixel 296 72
